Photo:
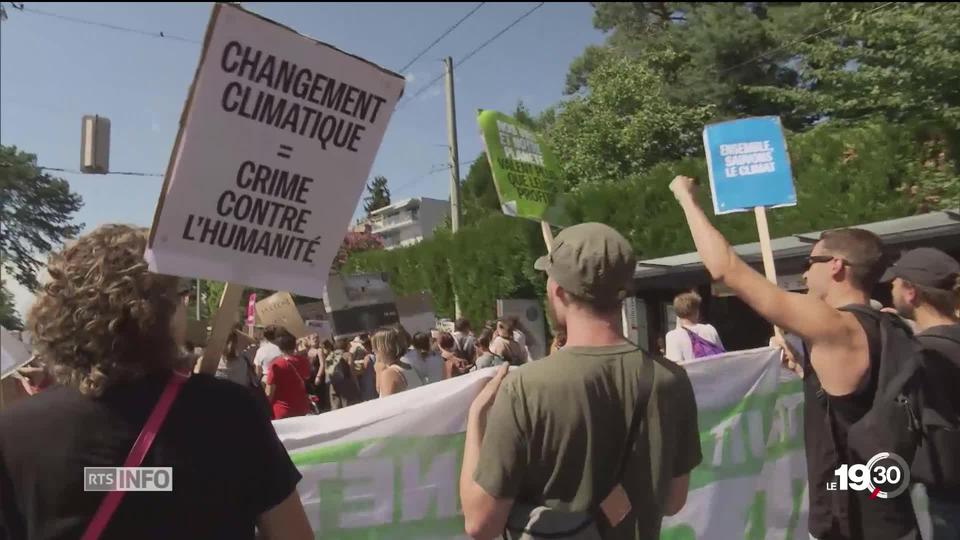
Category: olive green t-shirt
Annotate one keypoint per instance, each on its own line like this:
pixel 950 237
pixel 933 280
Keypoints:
pixel 556 431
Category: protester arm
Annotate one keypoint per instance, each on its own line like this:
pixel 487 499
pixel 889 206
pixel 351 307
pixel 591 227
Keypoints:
pixel 830 333
pixel 285 521
pixel 270 388
pixel 803 314
pixel 677 496
pixel 321 373
pixel 688 453
pixel 270 478
pixel 485 513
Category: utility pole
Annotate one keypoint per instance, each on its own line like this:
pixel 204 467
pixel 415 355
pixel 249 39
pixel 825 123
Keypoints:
pixel 454 159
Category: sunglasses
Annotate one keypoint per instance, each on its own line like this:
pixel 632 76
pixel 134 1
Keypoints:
pixel 814 259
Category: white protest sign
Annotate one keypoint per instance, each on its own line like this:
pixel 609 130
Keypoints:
pixel 277 139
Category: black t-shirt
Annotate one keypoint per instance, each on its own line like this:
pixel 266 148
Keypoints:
pixel 827 419
pixel 228 464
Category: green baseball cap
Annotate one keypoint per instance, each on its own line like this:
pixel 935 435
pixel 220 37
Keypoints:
pixel 592 261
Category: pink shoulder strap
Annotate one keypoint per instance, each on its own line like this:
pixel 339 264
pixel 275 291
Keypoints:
pixel 112 500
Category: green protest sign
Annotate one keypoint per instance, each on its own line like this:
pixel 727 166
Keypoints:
pixel 525 172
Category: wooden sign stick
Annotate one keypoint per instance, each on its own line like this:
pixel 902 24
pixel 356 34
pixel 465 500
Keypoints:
pixel 222 326
pixel 767 252
pixel 547 235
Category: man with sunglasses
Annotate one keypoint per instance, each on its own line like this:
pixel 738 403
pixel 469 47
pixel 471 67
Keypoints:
pixel 840 371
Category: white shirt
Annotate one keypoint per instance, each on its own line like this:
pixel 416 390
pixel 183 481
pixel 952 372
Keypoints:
pixel 265 355
pixel 430 368
pixel 680 350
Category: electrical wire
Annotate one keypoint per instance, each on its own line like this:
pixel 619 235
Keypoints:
pixel 443 35
pixel 469 55
pixel 119 28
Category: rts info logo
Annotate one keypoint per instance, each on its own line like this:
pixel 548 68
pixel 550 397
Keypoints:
pixel 886 476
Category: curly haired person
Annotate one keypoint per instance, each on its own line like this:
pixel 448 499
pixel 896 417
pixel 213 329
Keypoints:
pixel 108 329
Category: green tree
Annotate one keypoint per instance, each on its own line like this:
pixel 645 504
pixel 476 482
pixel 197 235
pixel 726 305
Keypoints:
pixel 478 193
pixel 36 213
pixel 900 60
pixel 9 318
pixel 707 53
pixel 623 126
pixel 379 195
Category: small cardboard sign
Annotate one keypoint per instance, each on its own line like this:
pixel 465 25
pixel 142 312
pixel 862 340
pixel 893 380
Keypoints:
pixel 278 309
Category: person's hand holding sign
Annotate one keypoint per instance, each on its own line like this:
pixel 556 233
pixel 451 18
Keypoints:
pixel 481 404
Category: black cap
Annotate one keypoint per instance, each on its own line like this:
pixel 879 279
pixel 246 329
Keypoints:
pixel 926 267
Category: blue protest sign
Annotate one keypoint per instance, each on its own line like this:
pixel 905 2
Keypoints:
pixel 748 164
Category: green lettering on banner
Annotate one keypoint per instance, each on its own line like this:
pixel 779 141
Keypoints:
pixel 407 487
pixel 796 501
pixel 394 487
pixel 738 440
pixel 756 516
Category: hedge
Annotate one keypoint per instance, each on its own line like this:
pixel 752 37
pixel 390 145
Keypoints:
pixel 846 175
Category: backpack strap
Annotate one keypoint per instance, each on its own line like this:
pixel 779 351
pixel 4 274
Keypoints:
pixel 895 421
pixel 891 374
pixel 640 408
pixel 643 400
pixel 938 333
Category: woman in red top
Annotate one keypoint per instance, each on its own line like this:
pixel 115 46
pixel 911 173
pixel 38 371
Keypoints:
pixel 286 388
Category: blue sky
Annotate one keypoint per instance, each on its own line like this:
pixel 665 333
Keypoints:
pixel 53 71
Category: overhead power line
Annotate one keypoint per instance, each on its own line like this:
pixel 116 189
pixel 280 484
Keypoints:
pixel 159 34
pixel 443 35
pixel 470 55
pixel 439 168
pixel 497 35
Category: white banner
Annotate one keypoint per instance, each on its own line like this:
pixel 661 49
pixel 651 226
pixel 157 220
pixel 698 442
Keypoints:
pixel 388 469
pixel 278 137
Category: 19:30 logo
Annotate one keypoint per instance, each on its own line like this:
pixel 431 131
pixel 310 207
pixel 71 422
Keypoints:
pixel 885 476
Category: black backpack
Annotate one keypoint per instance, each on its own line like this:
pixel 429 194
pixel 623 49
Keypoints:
pixel 938 459
pixel 910 407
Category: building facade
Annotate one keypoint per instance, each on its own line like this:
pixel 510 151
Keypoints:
pixel 407 222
